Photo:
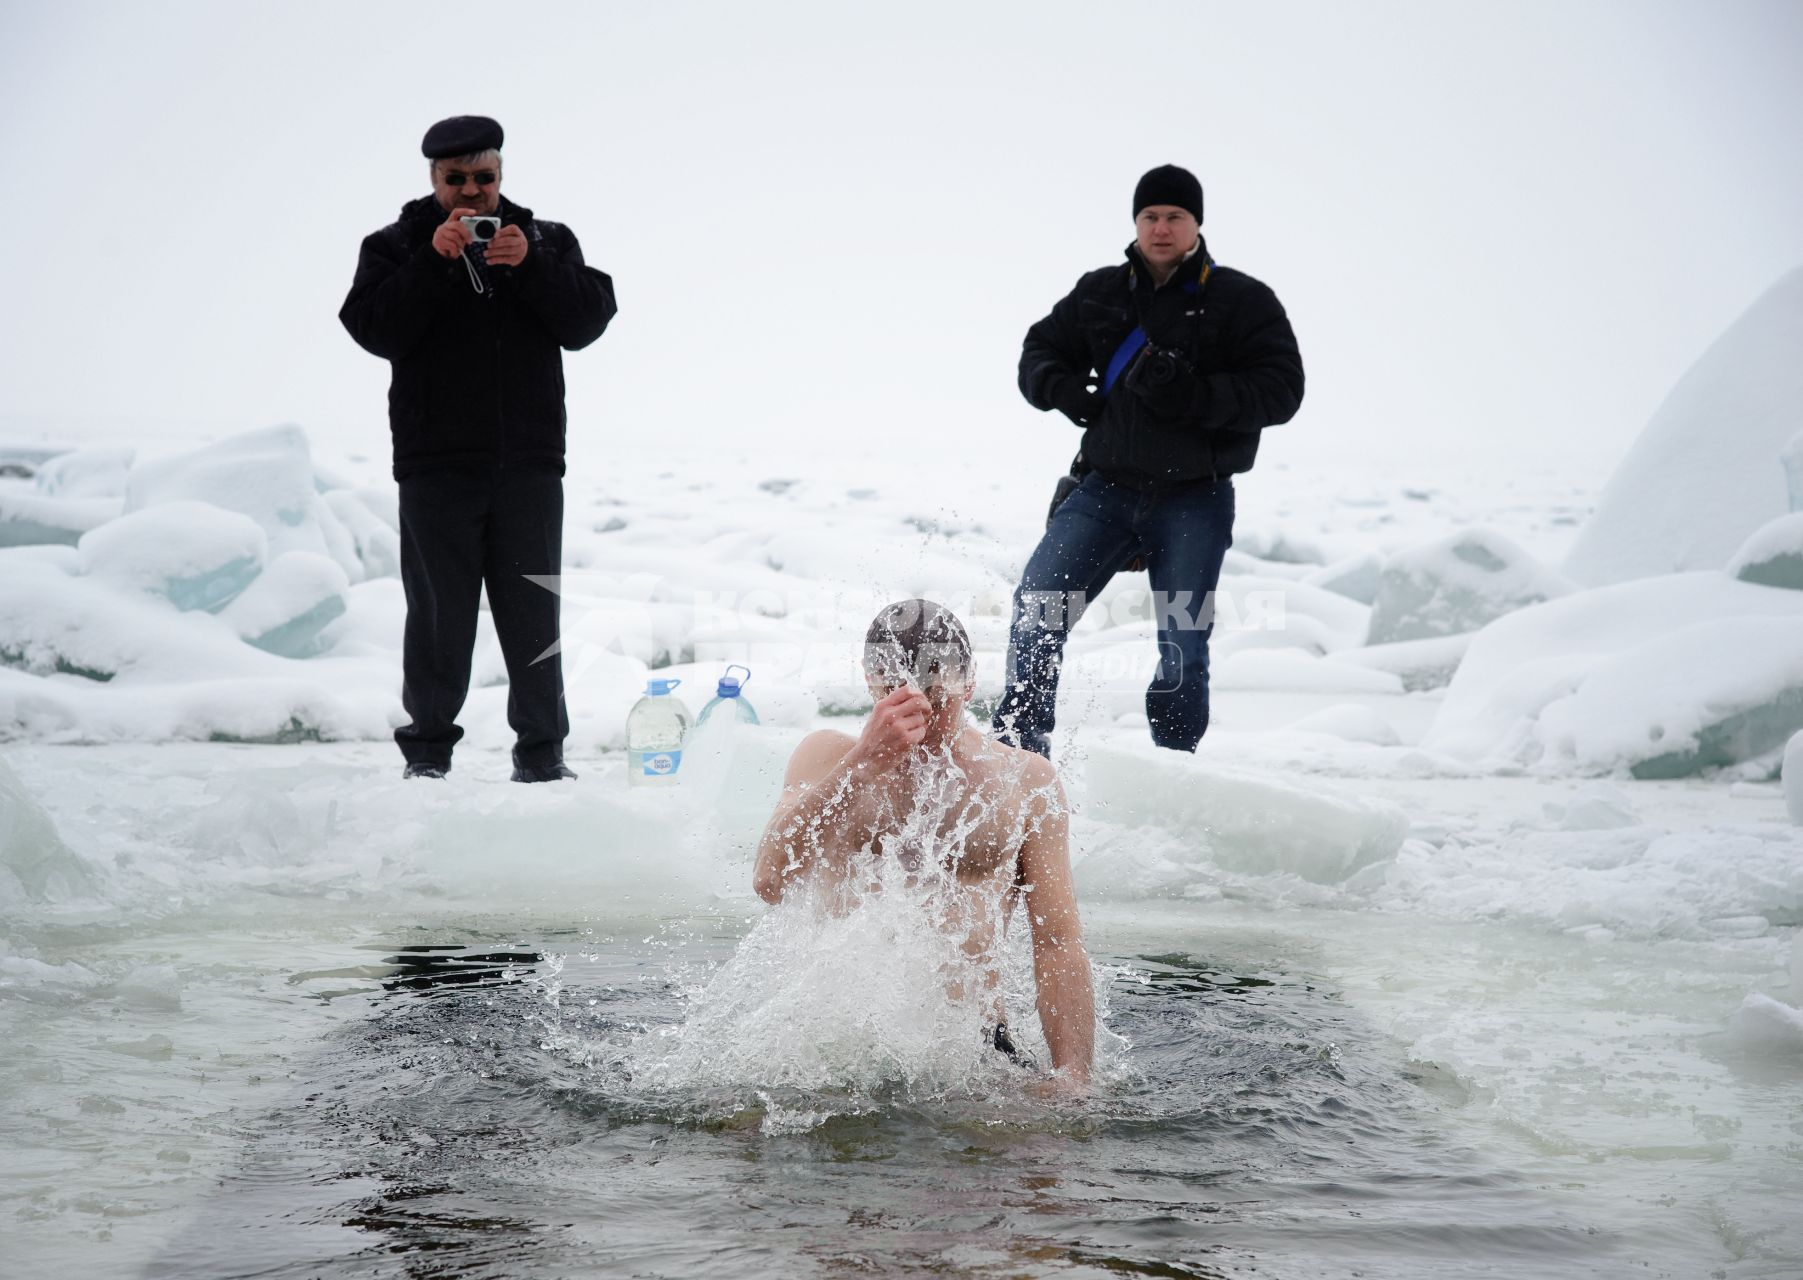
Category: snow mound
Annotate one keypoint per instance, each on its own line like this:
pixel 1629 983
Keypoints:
pixel 1661 676
pixel 1705 472
pixel 267 475
pixel 1793 788
pixel 1773 555
pixel 1233 819
pixel 192 554
pixel 1711 694
pixel 1456 584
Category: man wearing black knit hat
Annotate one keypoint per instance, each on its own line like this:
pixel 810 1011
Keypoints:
pixel 1173 366
pixel 472 301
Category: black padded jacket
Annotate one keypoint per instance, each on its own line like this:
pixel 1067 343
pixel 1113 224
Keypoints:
pixel 477 378
pixel 1247 371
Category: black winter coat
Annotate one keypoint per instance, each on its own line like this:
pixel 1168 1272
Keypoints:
pixel 1247 371
pixel 477 380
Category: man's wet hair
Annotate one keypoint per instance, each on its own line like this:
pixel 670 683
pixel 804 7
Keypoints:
pixel 921 639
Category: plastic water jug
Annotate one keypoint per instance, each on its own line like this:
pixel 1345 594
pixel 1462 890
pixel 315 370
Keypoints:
pixel 654 733
pixel 729 698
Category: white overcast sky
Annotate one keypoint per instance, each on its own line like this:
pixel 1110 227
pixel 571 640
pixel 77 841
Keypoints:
pixel 1497 227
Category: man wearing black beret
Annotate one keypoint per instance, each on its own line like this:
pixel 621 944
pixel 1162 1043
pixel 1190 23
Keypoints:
pixel 1173 365
pixel 472 301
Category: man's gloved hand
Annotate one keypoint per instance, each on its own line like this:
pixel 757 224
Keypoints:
pixel 1073 398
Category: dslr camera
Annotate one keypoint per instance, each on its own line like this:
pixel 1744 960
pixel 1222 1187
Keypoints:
pixel 482 226
pixel 1153 370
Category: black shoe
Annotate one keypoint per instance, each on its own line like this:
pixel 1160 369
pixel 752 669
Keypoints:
pixel 556 772
pixel 420 769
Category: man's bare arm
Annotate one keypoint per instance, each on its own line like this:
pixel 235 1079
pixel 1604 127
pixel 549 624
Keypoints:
pixel 817 781
pixel 1067 998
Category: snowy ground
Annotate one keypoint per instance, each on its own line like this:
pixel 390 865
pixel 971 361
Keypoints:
pixel 1598 971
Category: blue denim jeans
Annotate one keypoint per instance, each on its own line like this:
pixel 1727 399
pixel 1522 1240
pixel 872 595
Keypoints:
pixel 1183 533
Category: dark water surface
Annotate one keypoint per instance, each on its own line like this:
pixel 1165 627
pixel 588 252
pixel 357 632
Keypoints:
pixel 1253 1128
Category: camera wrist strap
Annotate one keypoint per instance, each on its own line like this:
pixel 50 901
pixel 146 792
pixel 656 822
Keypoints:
pixel 477 266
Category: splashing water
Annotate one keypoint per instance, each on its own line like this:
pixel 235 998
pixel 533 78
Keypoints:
pixel 885 977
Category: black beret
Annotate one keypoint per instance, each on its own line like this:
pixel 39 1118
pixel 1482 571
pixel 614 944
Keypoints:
pixel 1167 184
pixel 461 136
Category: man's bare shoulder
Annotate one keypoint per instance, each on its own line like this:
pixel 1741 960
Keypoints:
pixel 1027 772
pixel 815 755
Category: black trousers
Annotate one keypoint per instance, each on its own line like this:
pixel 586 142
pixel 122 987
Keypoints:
pixel 461 529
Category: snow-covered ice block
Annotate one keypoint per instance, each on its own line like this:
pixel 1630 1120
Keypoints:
pixel 1249 602
pixel 1352 721
pixel 374 618
pixel 1419 664
pixel 266 475
pixel 1705 471
pixel 31 519
pixel 290 604
pixel 1773 555
pixel 194 555
pixel 1356 577
pixel 1295 631
pixel 362 702
pixel 384 502
pixel 1692 670
pixel 86 473
pixel 1240 820
pixel 51 623
pixel 1765 1025
pixel 1272 543
pixel 1708 695
pixel 378 545
pixel 1455 584
pixel 1793 792
pixel 35 865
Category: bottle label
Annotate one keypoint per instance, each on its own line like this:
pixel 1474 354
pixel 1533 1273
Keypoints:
pixel 661 764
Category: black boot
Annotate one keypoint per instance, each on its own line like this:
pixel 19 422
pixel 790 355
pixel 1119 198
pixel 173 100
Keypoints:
pixel 556 772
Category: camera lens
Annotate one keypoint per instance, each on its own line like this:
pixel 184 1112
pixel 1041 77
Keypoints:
pixel 485 229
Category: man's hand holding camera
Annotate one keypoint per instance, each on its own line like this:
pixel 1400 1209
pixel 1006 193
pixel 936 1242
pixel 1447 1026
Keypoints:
pixel 506 246
pixel 452 236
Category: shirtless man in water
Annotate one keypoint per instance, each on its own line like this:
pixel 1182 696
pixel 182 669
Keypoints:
pixel 921 783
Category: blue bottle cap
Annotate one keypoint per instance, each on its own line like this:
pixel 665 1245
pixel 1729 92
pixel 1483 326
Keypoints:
pixel 658 688
pixel 731 685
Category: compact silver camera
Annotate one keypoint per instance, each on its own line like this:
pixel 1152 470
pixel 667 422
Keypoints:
pixel 482 226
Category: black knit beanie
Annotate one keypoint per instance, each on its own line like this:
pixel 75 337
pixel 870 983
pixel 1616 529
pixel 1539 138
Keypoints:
pixel 1167 184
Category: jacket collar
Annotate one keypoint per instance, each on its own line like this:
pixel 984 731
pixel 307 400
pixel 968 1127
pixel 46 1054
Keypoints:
pixel 1188 271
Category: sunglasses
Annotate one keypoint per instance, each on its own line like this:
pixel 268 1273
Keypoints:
pixel 482 177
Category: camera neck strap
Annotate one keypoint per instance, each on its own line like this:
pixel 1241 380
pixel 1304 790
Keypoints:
pixel 1133 342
